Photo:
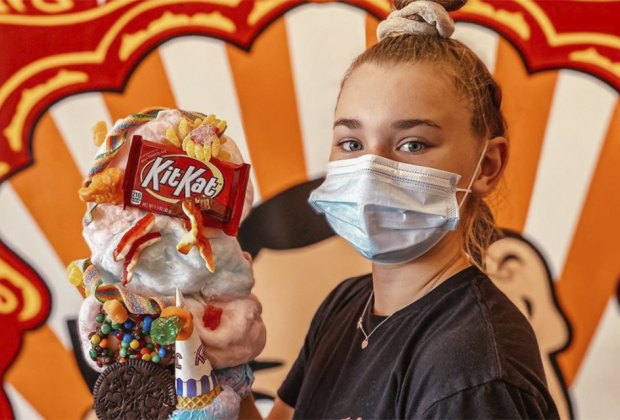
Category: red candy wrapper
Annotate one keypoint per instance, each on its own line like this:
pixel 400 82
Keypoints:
pixel 159 177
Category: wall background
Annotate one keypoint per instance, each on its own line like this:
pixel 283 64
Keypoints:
pixel 272 70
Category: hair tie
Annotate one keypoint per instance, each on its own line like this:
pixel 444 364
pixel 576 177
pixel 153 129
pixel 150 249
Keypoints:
pixel 435 20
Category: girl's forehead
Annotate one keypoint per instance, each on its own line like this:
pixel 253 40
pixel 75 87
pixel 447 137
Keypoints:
pixel 402 88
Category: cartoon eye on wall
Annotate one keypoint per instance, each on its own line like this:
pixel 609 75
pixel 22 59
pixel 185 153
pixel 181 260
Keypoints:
pixel 518 269
pixel 285 221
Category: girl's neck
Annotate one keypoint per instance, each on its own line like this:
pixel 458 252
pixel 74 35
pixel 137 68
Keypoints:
pixel 396 286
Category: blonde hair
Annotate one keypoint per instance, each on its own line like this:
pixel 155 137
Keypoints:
pixel 483 95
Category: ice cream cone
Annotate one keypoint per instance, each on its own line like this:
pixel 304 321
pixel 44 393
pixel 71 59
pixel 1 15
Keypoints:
pixel 196 383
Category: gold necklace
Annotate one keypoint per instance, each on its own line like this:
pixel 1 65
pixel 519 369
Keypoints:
pixel 360 325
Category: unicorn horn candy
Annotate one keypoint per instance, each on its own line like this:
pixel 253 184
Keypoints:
pixel 196 383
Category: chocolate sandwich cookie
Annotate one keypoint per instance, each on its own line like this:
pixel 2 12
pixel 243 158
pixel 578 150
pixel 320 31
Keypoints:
pixel 135 389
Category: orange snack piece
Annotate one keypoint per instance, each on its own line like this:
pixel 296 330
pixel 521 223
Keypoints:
pixel 100 129
pixel 184 316
pixel 116 311
pixel 105 187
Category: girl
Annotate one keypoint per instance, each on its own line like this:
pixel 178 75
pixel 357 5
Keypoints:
pixel 419 140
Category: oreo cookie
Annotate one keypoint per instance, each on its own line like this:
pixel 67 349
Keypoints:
pixel 135 389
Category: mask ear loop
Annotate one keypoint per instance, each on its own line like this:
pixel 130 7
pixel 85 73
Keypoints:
pixel 468 190
pixel 473 177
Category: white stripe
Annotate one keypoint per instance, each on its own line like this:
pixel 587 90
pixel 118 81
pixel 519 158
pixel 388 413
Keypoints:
pixel 323 41
pixel 199 74
pixel 75 116
pixel 22 234
pixel 595 389
pixel 264 407
pixel 21 407
pixel 578 122
pixel 481 40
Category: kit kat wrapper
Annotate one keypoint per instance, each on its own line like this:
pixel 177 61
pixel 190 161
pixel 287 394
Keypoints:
pixel 158 178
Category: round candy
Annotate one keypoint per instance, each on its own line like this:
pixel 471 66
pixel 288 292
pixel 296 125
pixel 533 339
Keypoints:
pixel 164 330
pixel 124 344
pixel 104 343
pixel 146 325
pixel 145 350
pixel 116 311
pixel 134 344
pixel 105 328
pixel 185 323
pixel 122 353
pixel 155 359
pixel 127 338
pixel 93 354
pixel 99 318
pixel 162 352
pixel 95 339
pixel 116 325
pixel 128 325
pixel 146 357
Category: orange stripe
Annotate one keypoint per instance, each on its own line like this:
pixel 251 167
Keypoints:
pixel 371 30
pixel 264 83
pixel 592 267
pixel 47 376
pixel 526 104
pixel 48 189
pixel 147 87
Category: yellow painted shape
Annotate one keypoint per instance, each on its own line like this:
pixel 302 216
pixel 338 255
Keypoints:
pixel 17 5
pixel 262 8
pixel 8 301
pixel 555 39
pixel 32 298
pixel 592 56
pixel 513 20
pixel 30 97
pixel 4 168
pixel 168 21
pixel 55 6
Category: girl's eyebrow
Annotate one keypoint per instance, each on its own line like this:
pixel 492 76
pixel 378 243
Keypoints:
pixel 410 123
pixel 398 125
pixel 348 122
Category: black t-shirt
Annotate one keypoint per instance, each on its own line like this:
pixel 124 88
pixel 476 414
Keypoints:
pixel 462 351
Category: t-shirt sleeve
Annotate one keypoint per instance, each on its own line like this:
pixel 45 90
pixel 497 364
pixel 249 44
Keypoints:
pixel 495 399
pixel 290 388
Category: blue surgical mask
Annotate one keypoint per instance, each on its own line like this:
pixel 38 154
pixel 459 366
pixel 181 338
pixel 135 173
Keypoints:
pixel 390 212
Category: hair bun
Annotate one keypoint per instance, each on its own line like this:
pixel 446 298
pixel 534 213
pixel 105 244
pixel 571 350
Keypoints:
pixel 428 17
pixel 449 5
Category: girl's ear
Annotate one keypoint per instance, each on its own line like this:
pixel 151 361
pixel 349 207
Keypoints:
pixel 492 166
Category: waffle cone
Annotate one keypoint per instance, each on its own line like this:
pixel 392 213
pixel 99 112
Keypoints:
pixel 201 401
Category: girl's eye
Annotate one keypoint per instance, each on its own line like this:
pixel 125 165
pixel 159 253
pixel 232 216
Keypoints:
pixel 412 147
pixel 351 145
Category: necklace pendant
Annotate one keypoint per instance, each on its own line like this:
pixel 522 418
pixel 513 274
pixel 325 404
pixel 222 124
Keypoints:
pixel 364 343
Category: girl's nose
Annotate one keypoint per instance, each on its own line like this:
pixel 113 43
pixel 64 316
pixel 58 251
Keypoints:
pixel 380 148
